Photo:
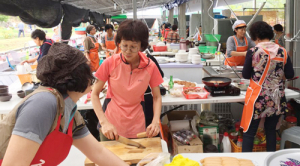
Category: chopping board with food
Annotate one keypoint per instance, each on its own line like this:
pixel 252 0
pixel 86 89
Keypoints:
pixel 131 154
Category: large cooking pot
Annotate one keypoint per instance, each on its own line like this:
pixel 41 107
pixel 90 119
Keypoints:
pixel 216 81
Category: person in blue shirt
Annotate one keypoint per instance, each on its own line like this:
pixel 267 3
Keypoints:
pixel 39 38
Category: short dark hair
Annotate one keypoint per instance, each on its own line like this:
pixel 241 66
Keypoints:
pixel 89 28
pixel 134 30
pixel 174 27
pixel 238 29
pixel 80 78
pixel 168 25
pixel 261 30
pixel 278 27
pixel 38 33
pixel 108 26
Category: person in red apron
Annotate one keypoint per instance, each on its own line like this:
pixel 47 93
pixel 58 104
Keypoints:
pixel 279 38
pixel 166 31
pixel 128 75
pixel 39 38
pixel 108 41
pixel 266 66
pixel 238 45
pixel 91 48
pixel 41 129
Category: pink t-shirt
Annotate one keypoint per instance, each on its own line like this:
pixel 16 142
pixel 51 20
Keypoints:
pixel 126 90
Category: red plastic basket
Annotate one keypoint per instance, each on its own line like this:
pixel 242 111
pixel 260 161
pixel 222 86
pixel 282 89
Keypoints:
pixel 201 95
pixel 160 48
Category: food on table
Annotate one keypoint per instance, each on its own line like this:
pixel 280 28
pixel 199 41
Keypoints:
pixel 185 83
pixel 225 161
pixel 216 82
pixel 194 90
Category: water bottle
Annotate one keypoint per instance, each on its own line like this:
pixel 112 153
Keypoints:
pixel 171 83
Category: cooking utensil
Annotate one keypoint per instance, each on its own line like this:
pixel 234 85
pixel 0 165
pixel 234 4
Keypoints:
pixel 207 56
pixel 127 141
pixel 5 97
pixel 216 81
pixel 21 94
pixel 142 135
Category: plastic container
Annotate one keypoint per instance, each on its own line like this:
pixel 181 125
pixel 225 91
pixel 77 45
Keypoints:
pixel 160 48
pixel 291 121
pixel 202 94
pixel 182 44
pixel 212 37
pixel 207 49
pixel 226 146
pixel 234 135
pixel 33 67
pixel 236 149
pixel 25 78
pixel 175 46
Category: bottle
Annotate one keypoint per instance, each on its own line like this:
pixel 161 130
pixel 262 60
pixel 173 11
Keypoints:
pixel 171 83
pixel 27 55
pixel 226 146
pixel 239 142
pixel 182 44
pixel 180 139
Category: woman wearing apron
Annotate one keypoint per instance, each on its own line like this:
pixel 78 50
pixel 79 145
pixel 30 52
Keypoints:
pixel 279 37
pixel 41 129
pixel 128 75
pixel 108 41
pixel 91 48
pixel 237 45
pixel 266 66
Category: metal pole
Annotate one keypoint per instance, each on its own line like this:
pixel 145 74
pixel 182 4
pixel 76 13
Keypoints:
pixel 206 21
pixel 182 20
pixel 171 16
pixel 134 9
pixel 254 5
pixel 59 32
pixel 164 16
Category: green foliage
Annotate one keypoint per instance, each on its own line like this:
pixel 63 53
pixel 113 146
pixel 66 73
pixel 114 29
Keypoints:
pixel 4 18
pixel 269 4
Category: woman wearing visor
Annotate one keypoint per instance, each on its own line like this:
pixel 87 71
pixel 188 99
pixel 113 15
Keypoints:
pixel 238 45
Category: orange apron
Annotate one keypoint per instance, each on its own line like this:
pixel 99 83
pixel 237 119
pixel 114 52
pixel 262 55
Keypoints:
pixel 237 60
pixel 94 57
pixel 277 41
pixel 199 37
pixel 253 92
pixel 109 45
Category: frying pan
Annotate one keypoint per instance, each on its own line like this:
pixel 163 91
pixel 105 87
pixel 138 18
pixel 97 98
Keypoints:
pixel 207 81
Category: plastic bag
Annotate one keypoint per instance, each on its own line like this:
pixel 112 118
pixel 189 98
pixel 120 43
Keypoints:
pixel 179 160
pixel 155 159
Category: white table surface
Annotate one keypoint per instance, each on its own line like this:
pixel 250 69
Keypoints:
pixel 6 107
pixel 77 158
pixel 258 158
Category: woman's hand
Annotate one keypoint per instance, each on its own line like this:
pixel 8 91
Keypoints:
pixel 109 130
pixel 153 129
pixel 22 63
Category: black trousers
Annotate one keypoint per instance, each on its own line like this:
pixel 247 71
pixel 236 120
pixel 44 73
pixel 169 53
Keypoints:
pixel 270 131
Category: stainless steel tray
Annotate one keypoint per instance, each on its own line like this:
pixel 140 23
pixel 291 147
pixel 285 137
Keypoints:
pixel 283 158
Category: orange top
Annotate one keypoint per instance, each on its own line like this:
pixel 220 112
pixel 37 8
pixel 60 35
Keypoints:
pixel 126 90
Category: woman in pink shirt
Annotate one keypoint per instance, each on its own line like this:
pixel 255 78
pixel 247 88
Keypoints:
pixel 128 75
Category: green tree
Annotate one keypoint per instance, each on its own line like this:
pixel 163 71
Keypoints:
pixel 3 18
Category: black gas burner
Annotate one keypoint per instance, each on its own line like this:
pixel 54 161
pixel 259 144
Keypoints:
pixel 223 91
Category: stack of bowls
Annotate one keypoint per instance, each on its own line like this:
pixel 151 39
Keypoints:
pixel 196 59
pixel 4 95
pixel 193 56
pixel 181 56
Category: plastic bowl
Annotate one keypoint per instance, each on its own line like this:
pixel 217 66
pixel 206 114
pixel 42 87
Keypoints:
pixel 21 94
pixel 5 98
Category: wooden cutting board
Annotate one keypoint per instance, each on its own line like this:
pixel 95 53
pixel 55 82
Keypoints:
pixel 130 153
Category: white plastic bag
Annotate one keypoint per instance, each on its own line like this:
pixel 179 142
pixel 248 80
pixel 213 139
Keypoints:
pixel 155 159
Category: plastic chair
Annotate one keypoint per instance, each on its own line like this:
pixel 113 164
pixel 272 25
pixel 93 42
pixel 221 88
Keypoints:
pixel 291 134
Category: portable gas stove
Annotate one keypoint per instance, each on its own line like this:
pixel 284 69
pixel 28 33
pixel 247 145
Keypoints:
pixel 223 91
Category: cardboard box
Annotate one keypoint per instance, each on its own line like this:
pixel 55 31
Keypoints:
pixel 196 146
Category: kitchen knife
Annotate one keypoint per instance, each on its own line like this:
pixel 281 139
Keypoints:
pixel 127 141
